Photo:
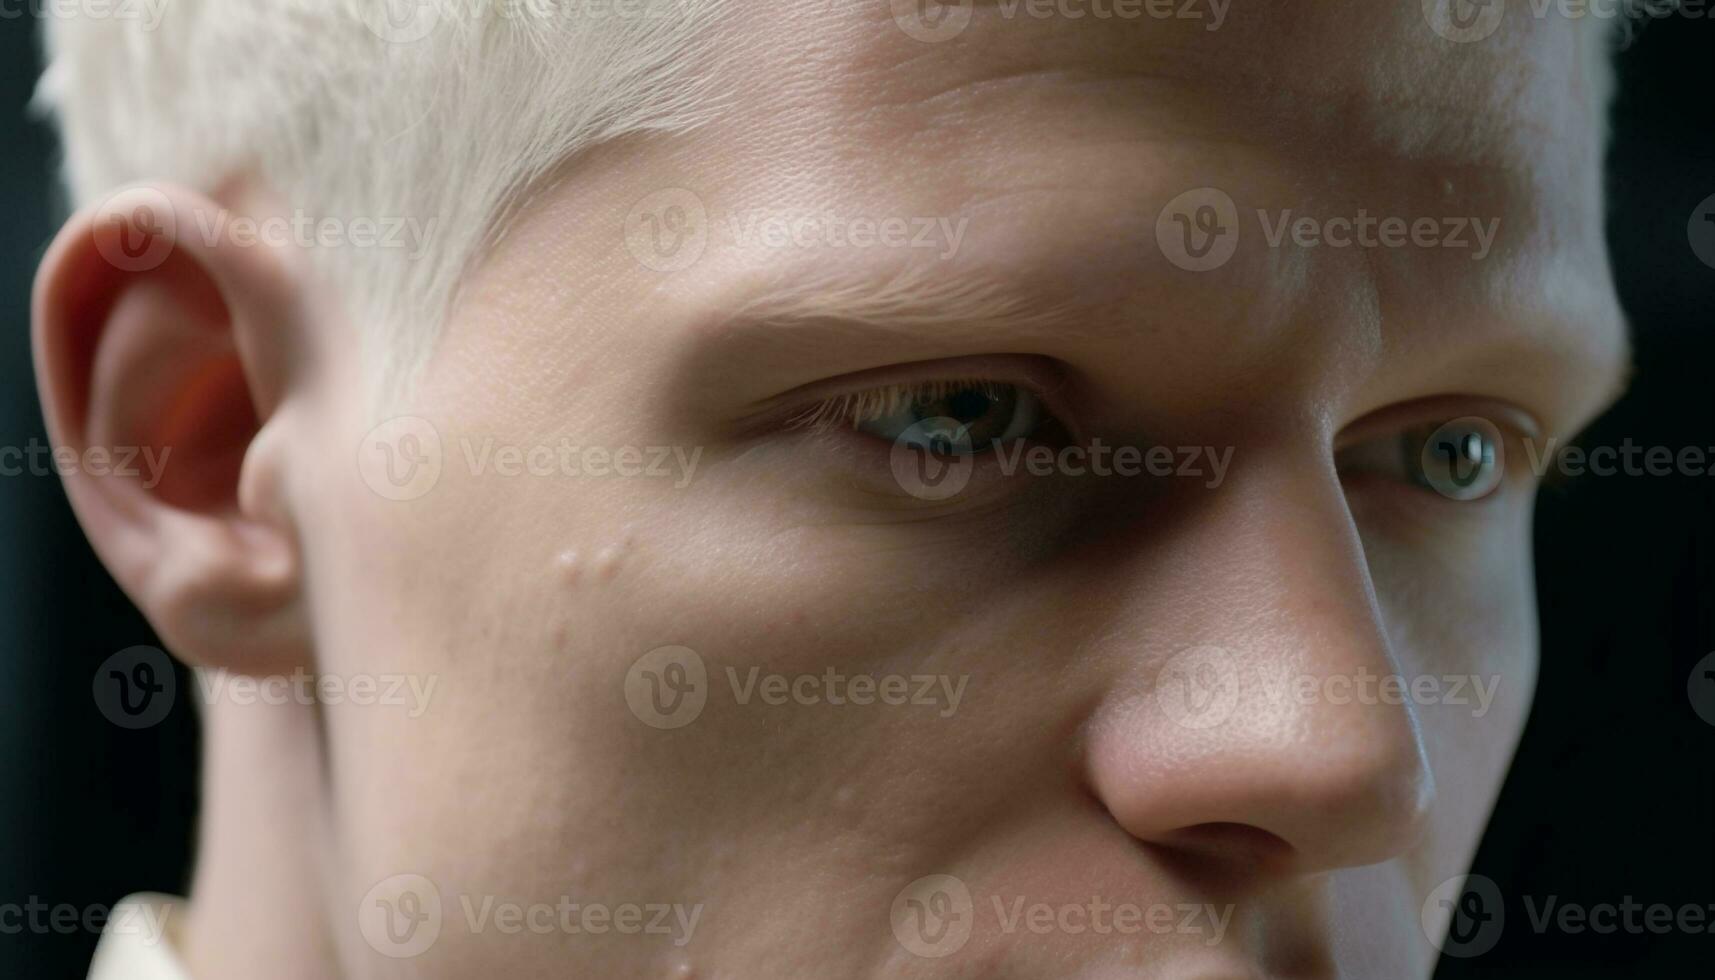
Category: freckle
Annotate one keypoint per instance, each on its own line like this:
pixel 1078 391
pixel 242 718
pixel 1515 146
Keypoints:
pixel 569 566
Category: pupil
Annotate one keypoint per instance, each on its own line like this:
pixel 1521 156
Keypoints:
pixel 967 405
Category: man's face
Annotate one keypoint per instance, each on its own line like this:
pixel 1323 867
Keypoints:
pixel 1236 710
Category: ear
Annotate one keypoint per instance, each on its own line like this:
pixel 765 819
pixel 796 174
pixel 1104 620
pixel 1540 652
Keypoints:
pixel 163 353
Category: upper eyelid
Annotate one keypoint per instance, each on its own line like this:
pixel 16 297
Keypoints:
pixel 851 405
pixel 1038 375
pixel 1514 422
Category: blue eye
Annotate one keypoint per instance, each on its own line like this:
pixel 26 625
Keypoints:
pixel 962 418
pixel 1461 459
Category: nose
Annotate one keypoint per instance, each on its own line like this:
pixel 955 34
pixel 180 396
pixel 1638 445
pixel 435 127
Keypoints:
pixel 1238 727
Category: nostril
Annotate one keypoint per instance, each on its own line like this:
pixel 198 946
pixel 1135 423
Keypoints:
pixel 1239 844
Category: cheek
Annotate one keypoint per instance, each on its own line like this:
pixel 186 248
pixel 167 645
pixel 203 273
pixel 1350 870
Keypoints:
pixel 1461 614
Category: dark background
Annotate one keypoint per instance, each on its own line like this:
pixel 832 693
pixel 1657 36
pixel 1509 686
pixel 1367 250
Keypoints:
pixel 1612 796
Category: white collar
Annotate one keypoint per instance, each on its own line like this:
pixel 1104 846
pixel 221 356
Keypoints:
pixel 137 943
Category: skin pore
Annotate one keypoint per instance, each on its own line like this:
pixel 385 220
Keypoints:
pixel 1312 829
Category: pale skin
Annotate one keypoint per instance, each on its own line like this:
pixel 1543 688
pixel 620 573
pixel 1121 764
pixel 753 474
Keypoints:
pixel 1319 825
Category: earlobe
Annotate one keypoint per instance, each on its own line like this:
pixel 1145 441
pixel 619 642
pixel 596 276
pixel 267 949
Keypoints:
pixel 164 355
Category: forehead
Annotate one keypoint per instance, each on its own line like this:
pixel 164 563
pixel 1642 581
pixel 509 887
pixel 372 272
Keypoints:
pixel 1054 146
pixel 1376 74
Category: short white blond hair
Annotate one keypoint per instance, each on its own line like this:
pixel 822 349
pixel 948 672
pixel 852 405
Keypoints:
pixel 484 99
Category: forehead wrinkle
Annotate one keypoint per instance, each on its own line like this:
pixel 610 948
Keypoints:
pixel 910 300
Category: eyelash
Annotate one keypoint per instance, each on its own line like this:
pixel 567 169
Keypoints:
pixel 851 409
